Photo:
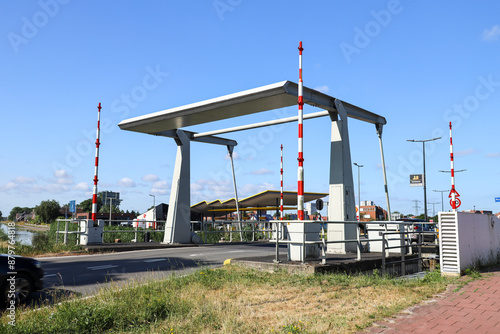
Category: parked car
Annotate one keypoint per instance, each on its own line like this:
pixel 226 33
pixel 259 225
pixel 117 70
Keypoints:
pixel 19 277
pixel 418 225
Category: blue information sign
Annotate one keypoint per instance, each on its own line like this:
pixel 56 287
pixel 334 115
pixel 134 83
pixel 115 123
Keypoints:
pixel 72 206
pixel 497 199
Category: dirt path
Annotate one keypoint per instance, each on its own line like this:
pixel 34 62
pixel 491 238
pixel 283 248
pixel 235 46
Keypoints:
pixel 33 227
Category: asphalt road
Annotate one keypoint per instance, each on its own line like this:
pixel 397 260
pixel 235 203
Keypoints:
pixel 85 274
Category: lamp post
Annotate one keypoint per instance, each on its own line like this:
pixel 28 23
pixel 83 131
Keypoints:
pixel 359 190
pixel 442 203
pixel 433 208
pixel 425 179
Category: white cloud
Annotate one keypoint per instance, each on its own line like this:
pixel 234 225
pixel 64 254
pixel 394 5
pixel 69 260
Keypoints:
pixel 323 89
pixel 492 34
pixel 23 180
pixel 61 173
pixel 251 189
pixel 10 186
pixel 160 185
pixel 150 178
pixel 51 188
pixel 262 171
pixel 493 155
pixel 25 185
pixel 82 186
pixel 466 152
pixel 62 177
pixel 159 188
pixel 126 182
pixel 236 156
pixel 208 190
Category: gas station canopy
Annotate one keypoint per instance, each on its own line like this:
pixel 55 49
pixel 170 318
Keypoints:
pixel 265 199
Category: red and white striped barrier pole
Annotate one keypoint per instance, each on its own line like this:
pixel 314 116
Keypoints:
pixel 281 190
pixel 97 143
pixel 455 201
pixel 300 185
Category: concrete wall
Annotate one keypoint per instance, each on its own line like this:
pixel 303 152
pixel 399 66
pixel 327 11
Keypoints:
pixel 467 240
pixel 479 239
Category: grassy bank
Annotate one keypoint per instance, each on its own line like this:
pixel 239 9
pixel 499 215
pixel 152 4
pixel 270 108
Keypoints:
pixel 43 243
pixel 234 300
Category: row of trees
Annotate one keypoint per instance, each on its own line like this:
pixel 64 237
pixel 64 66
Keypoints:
pixel 49 210
pixel 46 211
pixel 86 206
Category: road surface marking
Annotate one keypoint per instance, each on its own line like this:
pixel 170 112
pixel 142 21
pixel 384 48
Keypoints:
pixel 155 260
pixel 106 266
pixel 215 253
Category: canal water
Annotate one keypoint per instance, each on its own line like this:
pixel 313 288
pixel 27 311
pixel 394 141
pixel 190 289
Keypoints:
pixel 22 237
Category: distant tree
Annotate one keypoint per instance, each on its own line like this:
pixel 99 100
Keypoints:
pixel 105 209
pixel 48 210
pixel 86 205
pixel 0 215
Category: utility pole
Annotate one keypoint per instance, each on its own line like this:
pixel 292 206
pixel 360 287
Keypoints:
pixel 425 179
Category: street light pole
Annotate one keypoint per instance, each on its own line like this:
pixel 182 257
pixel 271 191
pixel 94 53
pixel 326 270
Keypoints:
pixel 359 190
pixel 442 203
pixel 433 208
pixel 425 179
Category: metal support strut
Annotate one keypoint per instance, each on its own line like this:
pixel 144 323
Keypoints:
pixel 230 149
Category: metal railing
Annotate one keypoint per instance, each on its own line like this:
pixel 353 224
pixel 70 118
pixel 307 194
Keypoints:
pixel 227 226
pixel 274 231
pixel 137 230
pixel 407 249
pixel 405 240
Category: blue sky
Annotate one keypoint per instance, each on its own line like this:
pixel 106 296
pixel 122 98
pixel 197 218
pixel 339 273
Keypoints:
pixel 420 64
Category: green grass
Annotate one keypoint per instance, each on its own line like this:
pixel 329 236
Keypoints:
pixel 234 300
